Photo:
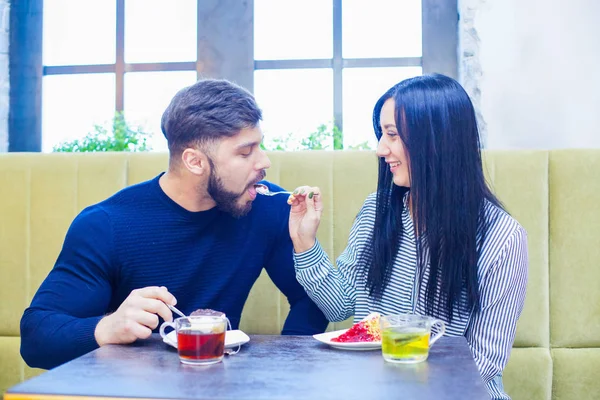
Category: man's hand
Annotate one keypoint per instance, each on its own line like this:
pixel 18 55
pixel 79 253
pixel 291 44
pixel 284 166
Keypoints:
pixel 305 217
pixel 136 317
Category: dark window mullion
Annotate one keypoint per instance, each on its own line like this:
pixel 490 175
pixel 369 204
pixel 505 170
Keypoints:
pixel 161 66
pixel 258 65
pixel 291 64
pixel 25 78
pixel 78 69
pixel 337 66
pixel 382 62
pixel 199 65
pixel 440 37
pixel 120 56
pixel 346 63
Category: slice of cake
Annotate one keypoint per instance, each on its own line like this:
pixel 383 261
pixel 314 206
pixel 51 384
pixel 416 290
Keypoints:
pixel 367 330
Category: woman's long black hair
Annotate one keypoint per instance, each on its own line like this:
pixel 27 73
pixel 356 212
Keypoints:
pixel 436 122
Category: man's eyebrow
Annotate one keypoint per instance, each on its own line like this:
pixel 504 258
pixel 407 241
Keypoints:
pixel 249 144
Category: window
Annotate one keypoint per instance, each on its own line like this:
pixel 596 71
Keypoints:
pixel 362 87
pixel 160 31
pixel 294 103
pixel 310 63
pixel 95 24
pixel 73 103
pixel 127 55
pixel 320 62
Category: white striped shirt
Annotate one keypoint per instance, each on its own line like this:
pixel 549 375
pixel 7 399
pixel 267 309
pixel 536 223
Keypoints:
pixel 502 271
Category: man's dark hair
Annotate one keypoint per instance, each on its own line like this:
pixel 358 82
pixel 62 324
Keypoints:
pixel 206 111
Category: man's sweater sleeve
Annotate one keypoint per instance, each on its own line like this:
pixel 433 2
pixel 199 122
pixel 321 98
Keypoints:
pixel 59 325
pixel 304 318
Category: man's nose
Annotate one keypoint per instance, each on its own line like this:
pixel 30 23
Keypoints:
pixel 263 162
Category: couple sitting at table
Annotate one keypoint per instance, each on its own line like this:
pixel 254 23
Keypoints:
pixel 433 239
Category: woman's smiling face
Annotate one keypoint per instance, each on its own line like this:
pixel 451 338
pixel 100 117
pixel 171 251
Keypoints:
pixel 390 146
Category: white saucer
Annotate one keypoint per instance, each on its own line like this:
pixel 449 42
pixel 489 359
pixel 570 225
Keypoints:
pixel 327 336
pixel 232 338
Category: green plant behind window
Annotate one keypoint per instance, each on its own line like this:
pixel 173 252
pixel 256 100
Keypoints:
pixel 121 137
pixel 325 137
pixel 361 146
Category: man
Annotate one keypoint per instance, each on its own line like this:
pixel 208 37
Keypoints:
pixel 197 236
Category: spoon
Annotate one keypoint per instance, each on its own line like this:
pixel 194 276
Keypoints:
pixel 264 190
pixel 175 310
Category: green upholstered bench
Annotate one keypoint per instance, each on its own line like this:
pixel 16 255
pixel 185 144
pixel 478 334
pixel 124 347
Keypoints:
pixel 554 194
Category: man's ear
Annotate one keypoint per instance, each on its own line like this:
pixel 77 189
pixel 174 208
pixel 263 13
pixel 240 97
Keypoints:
pixel 195 161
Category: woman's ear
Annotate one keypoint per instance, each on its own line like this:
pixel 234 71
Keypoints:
pixel 195 161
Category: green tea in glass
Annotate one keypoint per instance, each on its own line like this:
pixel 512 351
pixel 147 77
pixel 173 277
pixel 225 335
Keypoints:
pixel 406 338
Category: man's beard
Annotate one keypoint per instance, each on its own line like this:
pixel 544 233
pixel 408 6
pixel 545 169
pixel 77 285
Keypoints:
pixel 228 201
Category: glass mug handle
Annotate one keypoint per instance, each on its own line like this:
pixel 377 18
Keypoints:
pixel 164 326
pixel 439 333
pixel 231 352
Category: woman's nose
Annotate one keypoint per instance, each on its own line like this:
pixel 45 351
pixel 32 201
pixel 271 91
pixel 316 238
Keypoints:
pixel 382 149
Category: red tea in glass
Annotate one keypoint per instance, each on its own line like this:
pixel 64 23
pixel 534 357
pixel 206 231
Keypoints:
pixel 200 339
pixel 197 346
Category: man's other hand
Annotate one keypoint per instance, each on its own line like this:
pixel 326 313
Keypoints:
pixel 136 317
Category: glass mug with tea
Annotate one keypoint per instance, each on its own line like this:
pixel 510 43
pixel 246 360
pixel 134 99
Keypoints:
pixel 406 338
pixel 200 339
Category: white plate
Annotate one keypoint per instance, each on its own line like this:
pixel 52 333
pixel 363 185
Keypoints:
pixel 232 338
pixel 327 336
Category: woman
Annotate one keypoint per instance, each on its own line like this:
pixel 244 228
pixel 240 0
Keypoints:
pixel 433 240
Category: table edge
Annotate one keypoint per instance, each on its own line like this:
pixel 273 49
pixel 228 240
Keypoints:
pixel 33 396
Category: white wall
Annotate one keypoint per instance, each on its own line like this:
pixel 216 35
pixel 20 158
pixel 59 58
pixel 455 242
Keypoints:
pixel 533 70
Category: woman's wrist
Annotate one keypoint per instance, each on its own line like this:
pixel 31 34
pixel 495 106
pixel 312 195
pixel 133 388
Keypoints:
pixel 300 246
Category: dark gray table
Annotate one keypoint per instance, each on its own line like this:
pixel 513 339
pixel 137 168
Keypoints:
pixel 268 367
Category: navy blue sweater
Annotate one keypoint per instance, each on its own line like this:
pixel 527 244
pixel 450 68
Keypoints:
pixel 140 237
